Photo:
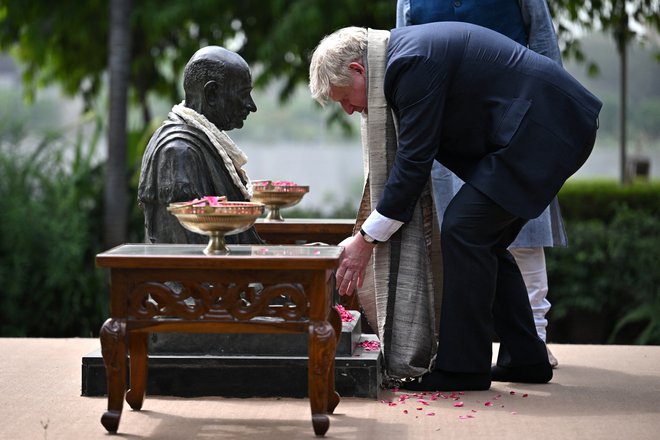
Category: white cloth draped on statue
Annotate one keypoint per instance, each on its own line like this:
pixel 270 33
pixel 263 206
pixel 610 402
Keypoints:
pixel 232 156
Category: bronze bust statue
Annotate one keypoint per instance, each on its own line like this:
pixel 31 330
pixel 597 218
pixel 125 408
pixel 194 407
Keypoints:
pixel 190 155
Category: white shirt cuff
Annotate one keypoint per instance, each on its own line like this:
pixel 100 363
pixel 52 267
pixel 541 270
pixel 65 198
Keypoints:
pixel 380 227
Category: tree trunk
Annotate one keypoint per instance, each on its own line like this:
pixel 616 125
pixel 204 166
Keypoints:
pixel 115 215
pixel 622 47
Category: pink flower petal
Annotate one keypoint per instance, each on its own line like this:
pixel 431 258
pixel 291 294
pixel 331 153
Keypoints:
pixel 345 314
pixel 488 403
pixel 430 413
pixel 370 345
pixel 458 404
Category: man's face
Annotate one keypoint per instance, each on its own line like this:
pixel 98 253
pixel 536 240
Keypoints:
pixel 235 103
pixel 352 98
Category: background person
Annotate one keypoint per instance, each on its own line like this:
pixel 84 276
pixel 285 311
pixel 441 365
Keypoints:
pixel 529 23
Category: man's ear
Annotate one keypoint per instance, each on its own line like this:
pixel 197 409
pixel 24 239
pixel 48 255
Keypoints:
pixel 211 93
pixel 358 67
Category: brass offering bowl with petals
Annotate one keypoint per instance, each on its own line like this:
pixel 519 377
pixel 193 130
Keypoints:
pixel 277 195
pixel 216 218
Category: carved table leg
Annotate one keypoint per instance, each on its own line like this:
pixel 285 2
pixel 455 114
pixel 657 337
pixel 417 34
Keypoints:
pixel 113 348
pixel 322 345
pixel 333 396
pixel 137 349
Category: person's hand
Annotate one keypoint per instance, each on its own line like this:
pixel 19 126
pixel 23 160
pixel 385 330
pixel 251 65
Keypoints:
pixel 351 270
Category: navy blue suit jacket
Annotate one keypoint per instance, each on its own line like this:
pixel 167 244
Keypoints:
pixel 510 122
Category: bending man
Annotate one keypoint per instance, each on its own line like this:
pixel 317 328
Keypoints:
pixel 514 126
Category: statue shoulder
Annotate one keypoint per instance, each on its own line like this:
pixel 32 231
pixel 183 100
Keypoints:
pixel 176 138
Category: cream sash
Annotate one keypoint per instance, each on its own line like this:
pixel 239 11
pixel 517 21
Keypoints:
pixel 401 294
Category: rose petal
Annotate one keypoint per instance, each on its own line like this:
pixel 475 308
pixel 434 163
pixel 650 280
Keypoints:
pixel 345 314
pixel 458 404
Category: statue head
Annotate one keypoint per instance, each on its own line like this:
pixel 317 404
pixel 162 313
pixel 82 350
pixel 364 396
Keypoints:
pixel 218 84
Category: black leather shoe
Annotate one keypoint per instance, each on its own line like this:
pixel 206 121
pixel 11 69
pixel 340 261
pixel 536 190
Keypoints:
pixel 439 380
pixel 537 373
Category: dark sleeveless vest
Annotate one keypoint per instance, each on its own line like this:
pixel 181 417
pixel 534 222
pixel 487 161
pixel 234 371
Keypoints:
pixel 503 16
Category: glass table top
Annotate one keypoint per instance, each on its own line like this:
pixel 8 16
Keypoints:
pixel 194 250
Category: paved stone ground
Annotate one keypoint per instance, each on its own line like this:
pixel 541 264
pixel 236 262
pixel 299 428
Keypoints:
pixel 598 392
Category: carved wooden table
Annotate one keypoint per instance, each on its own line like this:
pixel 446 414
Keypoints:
pixel 254 289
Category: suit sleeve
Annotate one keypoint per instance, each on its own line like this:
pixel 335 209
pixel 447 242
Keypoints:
pixel 541 34
pixel 415 87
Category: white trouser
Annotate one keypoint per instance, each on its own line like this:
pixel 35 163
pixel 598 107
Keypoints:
pixel 531 262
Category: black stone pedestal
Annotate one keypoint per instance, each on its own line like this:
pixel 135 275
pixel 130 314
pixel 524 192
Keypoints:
pixel 245 365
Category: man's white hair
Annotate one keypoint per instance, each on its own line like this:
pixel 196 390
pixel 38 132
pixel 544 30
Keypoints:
pixel 330 60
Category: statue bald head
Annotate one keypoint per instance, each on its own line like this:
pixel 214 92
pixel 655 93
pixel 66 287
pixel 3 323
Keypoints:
pixel 218 84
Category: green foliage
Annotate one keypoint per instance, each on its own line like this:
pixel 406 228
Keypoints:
pixel 49 235
pixel 635 253
pixel 613 17
pixel 571 271
pixel 602 199
pixel 610 268
pixel 275 36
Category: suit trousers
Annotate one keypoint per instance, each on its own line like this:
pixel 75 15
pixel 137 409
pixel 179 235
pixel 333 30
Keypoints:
pixel 484 295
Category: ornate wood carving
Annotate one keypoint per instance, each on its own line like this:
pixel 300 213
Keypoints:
pixel 112 334
pixel 219 301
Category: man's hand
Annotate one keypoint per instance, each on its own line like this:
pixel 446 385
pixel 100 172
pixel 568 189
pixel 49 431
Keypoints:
pixel 350 274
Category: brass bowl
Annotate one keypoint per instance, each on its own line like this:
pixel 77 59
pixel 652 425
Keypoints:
pixel 217 221
pixel 276 197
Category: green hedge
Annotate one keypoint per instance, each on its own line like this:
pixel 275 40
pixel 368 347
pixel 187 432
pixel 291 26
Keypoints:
pixel 605 286
pixel 602 199
pixel 50 231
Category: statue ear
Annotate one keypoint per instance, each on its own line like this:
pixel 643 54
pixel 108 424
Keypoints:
pixel 211 93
